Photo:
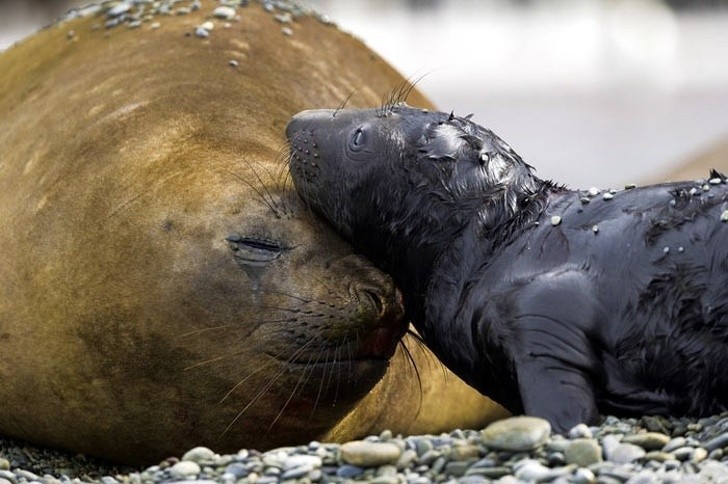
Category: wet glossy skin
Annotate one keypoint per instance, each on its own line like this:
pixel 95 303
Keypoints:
pixel 553 302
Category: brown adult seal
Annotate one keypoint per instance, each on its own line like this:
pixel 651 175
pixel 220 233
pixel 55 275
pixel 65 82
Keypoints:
pixel 163 287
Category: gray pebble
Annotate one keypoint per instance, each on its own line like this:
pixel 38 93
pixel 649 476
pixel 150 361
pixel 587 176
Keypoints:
pixel 184 469
pixel 583 476
pixel 516 433
pixel 648 440
pixel 349 471
pixel 369 454
pixel 583 452
pixel 625 453
pixel 531 470
pixel 582 431
pixel 224 12
pixel 202 33
pixel 675 443
pixel 117 10
pixel 199 455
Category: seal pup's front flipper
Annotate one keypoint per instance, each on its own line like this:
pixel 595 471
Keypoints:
pixel 553 348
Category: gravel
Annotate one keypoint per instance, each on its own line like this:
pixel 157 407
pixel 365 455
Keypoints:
pixel 520 449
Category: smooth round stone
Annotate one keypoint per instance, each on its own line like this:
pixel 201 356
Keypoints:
pixel 683 453
pixel 349 472
pixel 531 470
pixel 456 468
pixel 406 459
pixel 302 460
pixel 4 481
pixel 648 440
pixel 297 472
pixel 583 476
pixel 659 456
pixel 644 477
pixel 626 453
pixel 184 469
pixel 717 442
pixel 370 454
pixel 699 454
pixel 516 434
pixel 583 452
pixel 675 443
pixel 555 220
pixel 464 452
pixel 4 465
pixel 199 454
pixel 117 10
pixel 224 12
pixel 581 431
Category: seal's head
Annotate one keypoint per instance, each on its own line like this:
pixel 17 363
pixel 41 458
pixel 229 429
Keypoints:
pixel 402 173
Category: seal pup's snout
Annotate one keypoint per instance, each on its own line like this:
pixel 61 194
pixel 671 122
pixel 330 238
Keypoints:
pixel 305 119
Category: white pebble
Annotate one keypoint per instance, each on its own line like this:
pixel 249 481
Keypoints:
pixel 724 216
pixel 593 191
pixel 555 220
pixel 119 9
pixel 608 196
pixel 233 63
pixel 595 229
pixel 207 25
pixel 184 469
pixel 155 25
pixel 224 12
pixel 715 181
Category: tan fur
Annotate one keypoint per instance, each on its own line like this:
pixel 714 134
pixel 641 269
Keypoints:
pixel 124 320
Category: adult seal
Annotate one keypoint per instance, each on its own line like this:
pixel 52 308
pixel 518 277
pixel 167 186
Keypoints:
pixel 556 303
pixel 163 286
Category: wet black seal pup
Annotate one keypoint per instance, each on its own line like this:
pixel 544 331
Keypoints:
pixel 557 303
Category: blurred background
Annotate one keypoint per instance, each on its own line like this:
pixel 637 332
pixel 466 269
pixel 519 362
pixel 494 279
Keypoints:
pixel 591 92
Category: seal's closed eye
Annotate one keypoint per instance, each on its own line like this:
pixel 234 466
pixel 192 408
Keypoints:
pixel 359 138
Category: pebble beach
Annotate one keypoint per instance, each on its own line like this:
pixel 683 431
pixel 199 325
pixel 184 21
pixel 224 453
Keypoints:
pixel 520 449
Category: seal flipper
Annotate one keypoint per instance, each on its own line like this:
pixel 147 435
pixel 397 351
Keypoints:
pixel 555 360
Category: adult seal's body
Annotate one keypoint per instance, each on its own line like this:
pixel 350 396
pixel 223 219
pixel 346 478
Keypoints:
pixel 162 285
pixel 557 303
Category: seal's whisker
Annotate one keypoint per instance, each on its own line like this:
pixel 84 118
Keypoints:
pixel 267 291
pixel 248 377
pixel 421 343
pixel 321 386
pixel 417 373
pixel 306 373
pixel 198 331
pixel 222 357
pixel 252 187
pixel 267 386
pixel 266 191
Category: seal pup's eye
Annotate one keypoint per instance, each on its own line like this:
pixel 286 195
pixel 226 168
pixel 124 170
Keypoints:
pixel 358 139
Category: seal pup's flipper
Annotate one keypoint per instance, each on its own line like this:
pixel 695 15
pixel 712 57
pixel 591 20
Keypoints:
pixel 554 355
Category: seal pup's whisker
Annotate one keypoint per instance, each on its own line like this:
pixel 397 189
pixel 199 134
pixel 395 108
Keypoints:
pixel 421 343
pixel 343 103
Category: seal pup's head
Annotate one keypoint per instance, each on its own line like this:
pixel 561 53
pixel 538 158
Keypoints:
pixel 404 174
